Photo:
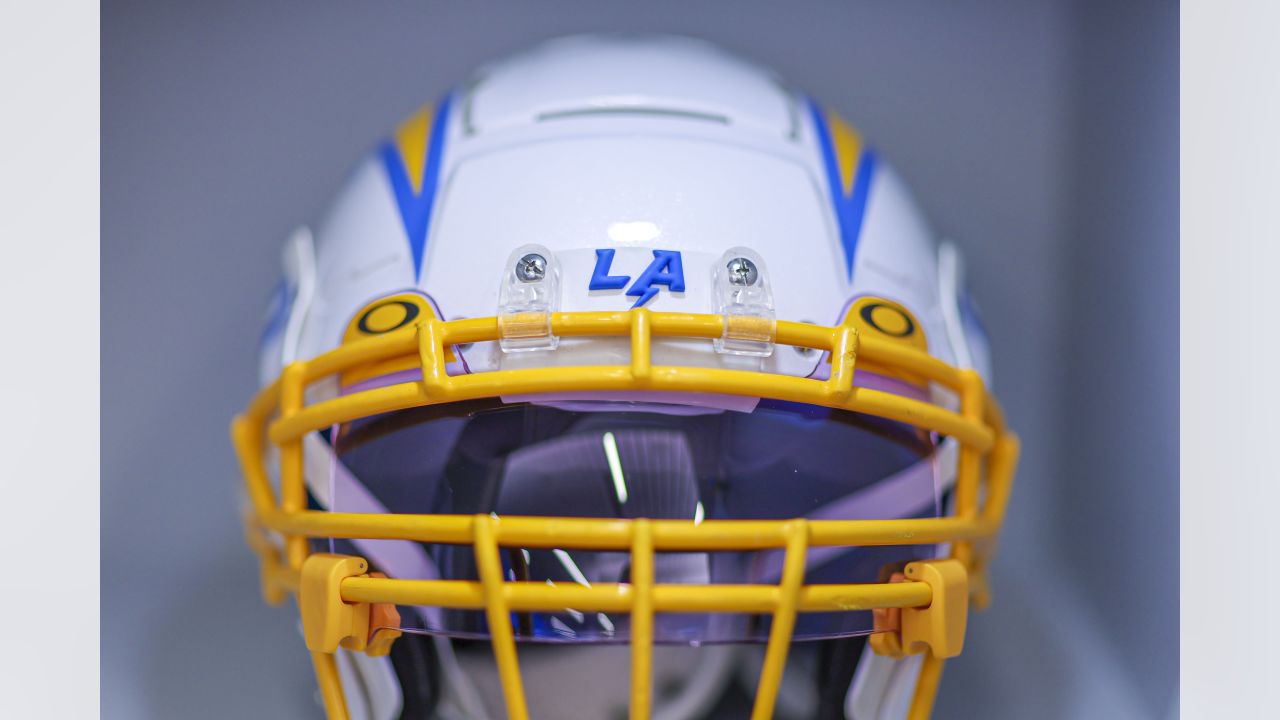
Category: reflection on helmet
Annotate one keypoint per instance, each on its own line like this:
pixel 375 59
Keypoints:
pixel 633 460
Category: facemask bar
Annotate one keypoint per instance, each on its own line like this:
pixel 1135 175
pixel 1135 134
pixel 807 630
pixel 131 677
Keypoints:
pixel 342 605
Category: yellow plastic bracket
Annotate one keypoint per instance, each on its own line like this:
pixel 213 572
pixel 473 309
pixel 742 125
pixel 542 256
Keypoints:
pixel 939 627
pixel 327 621
pixel 888 644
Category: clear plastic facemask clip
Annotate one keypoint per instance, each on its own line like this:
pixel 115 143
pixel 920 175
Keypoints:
pixel 745 300
pixel 529 294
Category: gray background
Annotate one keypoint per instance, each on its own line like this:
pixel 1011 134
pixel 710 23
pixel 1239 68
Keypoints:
pixel 1042 136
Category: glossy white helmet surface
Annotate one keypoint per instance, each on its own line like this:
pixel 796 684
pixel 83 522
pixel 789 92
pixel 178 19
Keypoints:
pixel 627 146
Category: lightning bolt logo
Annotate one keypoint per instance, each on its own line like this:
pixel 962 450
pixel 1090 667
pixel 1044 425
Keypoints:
pixel 666 270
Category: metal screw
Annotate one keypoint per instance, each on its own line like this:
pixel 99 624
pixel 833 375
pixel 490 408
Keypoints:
pixel 531 268
pixel 742 271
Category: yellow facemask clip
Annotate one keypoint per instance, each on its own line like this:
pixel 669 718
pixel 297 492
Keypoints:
pixel 937 628
pixel 329 623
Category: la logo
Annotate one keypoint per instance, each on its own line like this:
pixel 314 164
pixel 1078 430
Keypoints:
pixel 666 270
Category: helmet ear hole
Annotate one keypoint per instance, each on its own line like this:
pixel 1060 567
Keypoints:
pixel 837 663
pixel 417 667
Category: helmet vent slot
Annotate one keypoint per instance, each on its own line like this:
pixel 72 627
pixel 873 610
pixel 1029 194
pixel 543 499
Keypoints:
pixel 632 110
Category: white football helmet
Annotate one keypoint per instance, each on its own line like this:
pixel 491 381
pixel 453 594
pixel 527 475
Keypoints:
pixel 625 376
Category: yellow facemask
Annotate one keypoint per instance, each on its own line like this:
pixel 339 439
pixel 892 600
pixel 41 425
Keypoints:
pixel 344 605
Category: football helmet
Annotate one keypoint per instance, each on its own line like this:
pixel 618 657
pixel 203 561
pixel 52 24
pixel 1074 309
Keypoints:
pixel 624 375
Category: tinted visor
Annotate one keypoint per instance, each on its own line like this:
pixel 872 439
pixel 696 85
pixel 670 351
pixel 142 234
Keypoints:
pixel 779 461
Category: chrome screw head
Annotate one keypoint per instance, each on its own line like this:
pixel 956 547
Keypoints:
pixel 742 272
pixel 531 268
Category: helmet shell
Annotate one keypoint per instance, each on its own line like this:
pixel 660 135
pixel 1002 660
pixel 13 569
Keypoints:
pixel 630 146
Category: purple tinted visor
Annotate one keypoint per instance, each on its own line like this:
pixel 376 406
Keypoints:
pixel 619 460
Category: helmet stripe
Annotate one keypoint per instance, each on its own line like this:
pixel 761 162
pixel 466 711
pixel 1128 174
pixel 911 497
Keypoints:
pixel 849 164
pixel 412 161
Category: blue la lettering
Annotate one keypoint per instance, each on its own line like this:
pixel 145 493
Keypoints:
pixel 666 270
pixel 600 277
